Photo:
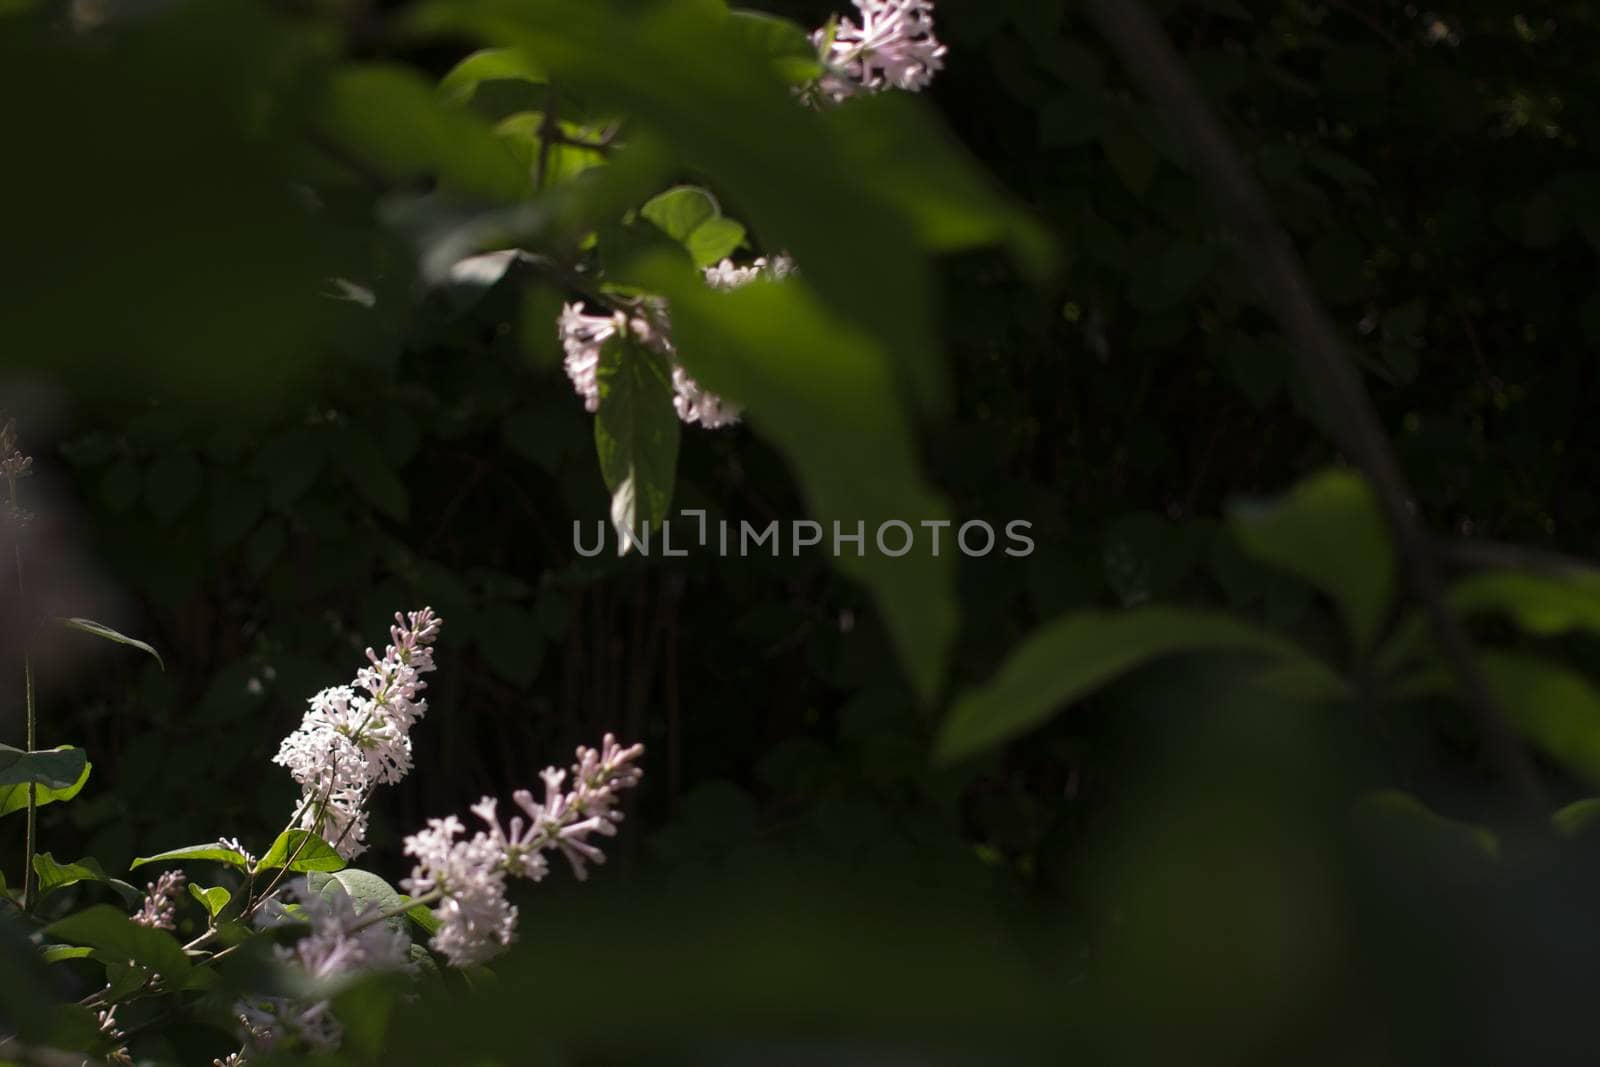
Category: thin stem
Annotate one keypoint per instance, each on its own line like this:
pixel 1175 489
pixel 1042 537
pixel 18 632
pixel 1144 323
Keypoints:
pixel 549 130
pixel 1152 60
pixel 31 830
pixel 432 897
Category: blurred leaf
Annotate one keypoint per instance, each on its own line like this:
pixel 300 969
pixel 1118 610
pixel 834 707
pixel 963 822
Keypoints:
pixel 785 43
pixel 1398 814
pixel 96 629
pixel 636 434
pixel 1074 656
pixel 115 937
pixel 824 395
pixel 689 215
pixel 1577 817
pixel 488 64
pixel 391 118
pixel 1554 706
pixel 1537 603
pixel 301 850
pixel 1328 531
pixel 898 145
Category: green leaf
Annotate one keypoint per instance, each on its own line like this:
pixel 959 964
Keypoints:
pixel 53 875
pixel 424 917
pixel 1576 817
pixel 212 851
pixel 101 630
pixel 1070 658
pixel 309 852
pixel 1401 815
pixel 690 216
pixel 57 953
pixel 896 143
pixel 213 900
pixel 786 44
pixel 115 937
pixel 391 118
pixel 368 893
pixel 1539 604
pixel 636 434
pixel 489 64
pixel 57 774
pixel 827 397
pixel 1555 707
pixel 1328 531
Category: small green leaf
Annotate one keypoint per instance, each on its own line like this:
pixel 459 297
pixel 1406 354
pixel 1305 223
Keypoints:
pixel 101 630
pixel 57 953
pixel 1328 531
pixel 424 917
pixel 690 216
pixel 115 937
pixel 57 774
pixel 213 852
pixel 636 434
pixel 213 900
pixel 1074 656
pixel 489 64
pixel 308 851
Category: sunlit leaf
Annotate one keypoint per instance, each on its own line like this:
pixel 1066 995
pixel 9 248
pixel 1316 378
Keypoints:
pixel 636 434
pixel 57 774
pixel 101 630
pixel 301 850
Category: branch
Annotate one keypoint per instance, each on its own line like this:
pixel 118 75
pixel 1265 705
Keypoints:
pixel 1153 62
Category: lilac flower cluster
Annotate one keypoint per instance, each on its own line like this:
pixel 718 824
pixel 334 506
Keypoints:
pixel 342 940
pixel 583 335
pixel 893 47
pixel 470 873
pixel 354 737
pixel 161 901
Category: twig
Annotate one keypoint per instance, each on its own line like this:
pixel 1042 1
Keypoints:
pixel 1152 61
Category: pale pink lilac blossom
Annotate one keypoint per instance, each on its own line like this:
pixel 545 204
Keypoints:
pixel 354 737
pixel 161 902
pixel 893 47
pixel 470 873
pixel 583 335
pixel 342 939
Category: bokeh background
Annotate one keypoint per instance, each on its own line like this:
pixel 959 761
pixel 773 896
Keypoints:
pixel 253 474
